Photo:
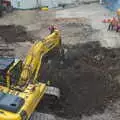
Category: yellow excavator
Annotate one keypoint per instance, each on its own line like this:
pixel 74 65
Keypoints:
pixel 21 88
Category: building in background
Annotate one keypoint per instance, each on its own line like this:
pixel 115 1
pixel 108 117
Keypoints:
pixel 31 4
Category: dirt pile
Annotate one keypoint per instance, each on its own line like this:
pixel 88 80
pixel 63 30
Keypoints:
pixel 12 33
pixel 10 38
pixel 86 80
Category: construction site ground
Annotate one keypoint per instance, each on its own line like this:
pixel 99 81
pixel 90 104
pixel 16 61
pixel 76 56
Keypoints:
pixel 89 79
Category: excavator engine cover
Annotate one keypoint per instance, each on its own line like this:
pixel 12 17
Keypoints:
pixel 10 103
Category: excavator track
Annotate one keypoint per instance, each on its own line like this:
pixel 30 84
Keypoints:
pixel 50 92
pixel 53 91
pixel 42 116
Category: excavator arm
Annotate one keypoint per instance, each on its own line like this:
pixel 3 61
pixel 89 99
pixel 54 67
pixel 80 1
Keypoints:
pixel 33 60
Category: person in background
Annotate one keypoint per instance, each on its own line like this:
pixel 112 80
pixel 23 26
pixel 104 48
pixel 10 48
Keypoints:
pixel 113 23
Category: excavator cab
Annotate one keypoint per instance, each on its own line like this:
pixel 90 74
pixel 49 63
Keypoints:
pixel 10 70
pixel 5 64
pixel 14 73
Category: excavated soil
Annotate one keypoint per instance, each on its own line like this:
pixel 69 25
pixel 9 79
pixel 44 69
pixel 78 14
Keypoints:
pixel 87 80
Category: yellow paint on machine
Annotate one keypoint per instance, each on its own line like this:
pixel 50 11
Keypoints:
pixel 32 98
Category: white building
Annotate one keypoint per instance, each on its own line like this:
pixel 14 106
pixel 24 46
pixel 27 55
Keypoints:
pixel 29 4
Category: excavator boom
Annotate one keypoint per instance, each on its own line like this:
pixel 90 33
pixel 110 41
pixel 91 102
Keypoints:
pixel 33 60
pixel 20 87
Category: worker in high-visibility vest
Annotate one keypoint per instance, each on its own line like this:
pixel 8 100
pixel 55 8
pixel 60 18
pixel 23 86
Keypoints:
pixel 113 23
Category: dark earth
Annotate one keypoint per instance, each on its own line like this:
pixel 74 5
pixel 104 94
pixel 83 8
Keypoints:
pixel 86 80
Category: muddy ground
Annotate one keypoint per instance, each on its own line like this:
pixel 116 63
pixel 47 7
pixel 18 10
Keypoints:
pixel 88 79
